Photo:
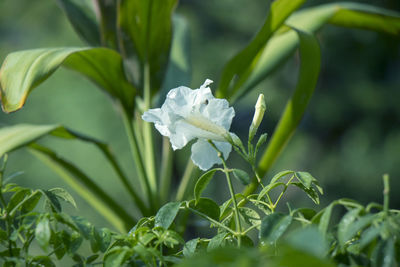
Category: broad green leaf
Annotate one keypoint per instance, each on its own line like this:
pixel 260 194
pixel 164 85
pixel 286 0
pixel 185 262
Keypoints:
pixel 206 207
pixel 239 68
pixel 202 183
pixel 347 232
pixel 43 233
pixel 384 254
pixel 148 25
pixel 117 256
pixel 17 198
pixel 296 106
pixel 85 187
pixel 250 216
pixel 166 215
pixel 42 261
pixel 82 18
pixel 325 219
pixel 369 235
pixel 311 192
pixel 315 242
pixel 52 201
pixel 22 71
pixel 242 176
pixel 273 226
pixel 217 241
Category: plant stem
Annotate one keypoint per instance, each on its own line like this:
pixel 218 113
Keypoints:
pixel 212 220
pixel 386 190
pixel 148 137
pixel 136 156
pixel 232 192
pixel 281 194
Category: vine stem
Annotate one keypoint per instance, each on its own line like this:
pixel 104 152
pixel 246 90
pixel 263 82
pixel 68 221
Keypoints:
pixel 232 192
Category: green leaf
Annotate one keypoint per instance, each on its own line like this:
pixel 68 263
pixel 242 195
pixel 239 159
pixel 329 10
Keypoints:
pixel 273 226
pixel 305 178
pixel 325 219
pixel 296 106
pixel 207 207
pixel 315 242
pixel 82 19
pixel 347 220
pixel 43 233
pixel 22 71
pixel 242 176
pixel 268 188
pixel 64 195
pixel 85 187
pixel 279 175
pixel 202 183
pixel 347 231
pixel 52 200
pixel 166 215
pixel 117 256
pixel 384 254
pixel 243 63
pixel 368 236
pixel 42 261
pixel 17 198
pixel 148 25
pixel 311 192
pixel 217 241
pixel 190 247
pixel 106 12
pixel 250 216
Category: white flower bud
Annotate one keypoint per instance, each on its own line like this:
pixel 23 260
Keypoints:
pixel 258 116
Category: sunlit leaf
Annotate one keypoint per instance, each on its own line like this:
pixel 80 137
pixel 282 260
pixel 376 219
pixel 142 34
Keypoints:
pixel 43 233
pixel 22 71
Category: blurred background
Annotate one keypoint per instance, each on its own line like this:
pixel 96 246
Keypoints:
pixel 349 137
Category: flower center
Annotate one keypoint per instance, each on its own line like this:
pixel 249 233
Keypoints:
pixel 205 124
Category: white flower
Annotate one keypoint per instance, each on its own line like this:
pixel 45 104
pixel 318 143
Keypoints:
pixel 195 114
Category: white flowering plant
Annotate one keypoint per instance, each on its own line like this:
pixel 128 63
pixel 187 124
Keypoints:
pixel 136 53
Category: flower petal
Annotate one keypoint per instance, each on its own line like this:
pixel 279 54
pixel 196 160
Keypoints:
pixel 205 156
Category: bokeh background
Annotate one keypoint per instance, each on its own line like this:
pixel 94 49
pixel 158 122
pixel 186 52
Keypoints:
pixel 349 137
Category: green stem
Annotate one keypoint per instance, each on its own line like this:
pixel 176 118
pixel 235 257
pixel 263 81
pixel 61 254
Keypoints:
pixel 281 194
pixel 136 156
pixel 232 192
pixel 148 137
pixel 212 220
pixel 166 170
pixel 386 190
pixel 184 185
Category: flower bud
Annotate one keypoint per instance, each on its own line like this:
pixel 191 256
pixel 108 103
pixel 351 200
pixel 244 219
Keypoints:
pixel 258 116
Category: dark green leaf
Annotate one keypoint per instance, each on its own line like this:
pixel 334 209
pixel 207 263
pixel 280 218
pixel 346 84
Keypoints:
pixel 368 236
pixel 273 226
pixel 166 215
pixel 43 232
pixel 83 19
pixel 384 254
pixel 242 176
pixel 117 256
pixel 148 25
pixel 31 202
pixel 202 183
pixel 106 12
pixel 347 220
pixel 52 200
pixel 84 226
pixel 17 199
pixel 22 71
pixel 250 216
pixel 92 258
pixel 347 231
pixel 325 219
pixel 311 192
pixel 207 207
pixel 42 261
pixel 243 63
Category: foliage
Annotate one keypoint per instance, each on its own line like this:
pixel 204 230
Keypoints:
pixel 134 48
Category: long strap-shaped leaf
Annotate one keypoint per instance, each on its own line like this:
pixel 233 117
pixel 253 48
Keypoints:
pixel 238 69
pixel 91 192
pixel 148 24
pixel 309 69
pixel 24 70
pixel 13 137
pixel 284 43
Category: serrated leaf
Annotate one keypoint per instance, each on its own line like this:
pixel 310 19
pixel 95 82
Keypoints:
pixel 166 215
pixel 242 176
pixel 43 232
pixel 273 226
pixel 202 183
pixel 22 71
